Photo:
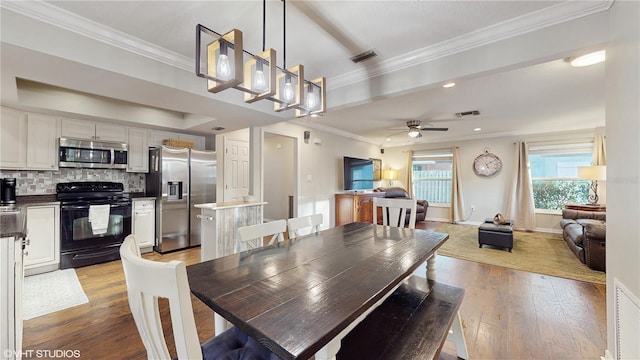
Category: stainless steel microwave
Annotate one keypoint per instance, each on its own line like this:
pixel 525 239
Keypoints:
pixel 92 154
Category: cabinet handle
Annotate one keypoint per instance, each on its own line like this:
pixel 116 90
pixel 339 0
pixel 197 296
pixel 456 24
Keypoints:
pixel 210 218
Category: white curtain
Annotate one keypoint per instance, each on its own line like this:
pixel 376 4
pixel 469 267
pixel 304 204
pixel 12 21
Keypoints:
pixel 520 206
pixel 456 211
pixel 599 150
pixel 409 174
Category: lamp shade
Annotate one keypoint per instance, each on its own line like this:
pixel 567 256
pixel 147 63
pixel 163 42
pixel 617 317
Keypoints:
pixel 595 172
pixel 390 174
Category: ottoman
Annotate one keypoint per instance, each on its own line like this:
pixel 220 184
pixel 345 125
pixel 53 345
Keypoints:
pixel 496 235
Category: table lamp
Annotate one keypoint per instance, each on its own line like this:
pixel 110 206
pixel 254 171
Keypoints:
pixel 593 173
pixel 390 175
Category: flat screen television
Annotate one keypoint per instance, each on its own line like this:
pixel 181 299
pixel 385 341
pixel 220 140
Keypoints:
pixel 358 174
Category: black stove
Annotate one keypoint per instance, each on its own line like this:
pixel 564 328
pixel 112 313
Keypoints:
pixel 81 243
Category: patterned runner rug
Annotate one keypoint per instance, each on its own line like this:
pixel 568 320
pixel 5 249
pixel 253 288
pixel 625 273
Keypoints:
pixel 52 291
pixel 536 252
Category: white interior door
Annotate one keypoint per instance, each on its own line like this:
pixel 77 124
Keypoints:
pixel 236 169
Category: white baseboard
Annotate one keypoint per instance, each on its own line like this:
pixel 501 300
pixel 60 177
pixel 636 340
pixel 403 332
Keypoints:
pixel 550 231
pixel 607 356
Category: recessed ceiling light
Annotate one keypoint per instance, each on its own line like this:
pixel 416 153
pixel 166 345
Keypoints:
pixel 449 84
pixel 588 59
pixel 477 129
pixel 388 139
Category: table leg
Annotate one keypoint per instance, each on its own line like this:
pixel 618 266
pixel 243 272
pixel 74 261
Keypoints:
pixel 456 335
pixel 220 324
pixel 329 351
pixel 431 267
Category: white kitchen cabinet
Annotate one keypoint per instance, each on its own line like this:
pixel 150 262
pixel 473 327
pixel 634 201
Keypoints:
pixel 11 277
pixel 28 141
pixel 138 153
pixel 94 131
pixel 143 226
pixel 156 137
pixel 13 139
pixel 42 142
pixel 43 237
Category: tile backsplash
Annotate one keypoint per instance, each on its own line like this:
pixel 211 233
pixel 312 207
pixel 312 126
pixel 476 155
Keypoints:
pixel 31 182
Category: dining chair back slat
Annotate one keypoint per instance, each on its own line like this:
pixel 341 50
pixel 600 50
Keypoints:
pixel 294 225
pixel 247 234
pixel 394 211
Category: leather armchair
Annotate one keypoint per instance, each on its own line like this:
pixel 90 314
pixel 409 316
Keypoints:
pixel 398 192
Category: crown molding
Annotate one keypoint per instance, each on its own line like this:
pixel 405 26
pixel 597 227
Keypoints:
pixel 549 16
pixel 53 15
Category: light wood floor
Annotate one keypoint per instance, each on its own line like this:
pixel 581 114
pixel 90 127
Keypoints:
pixel 507 314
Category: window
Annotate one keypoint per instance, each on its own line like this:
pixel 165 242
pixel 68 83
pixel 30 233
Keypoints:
pixel 431 173
pixel 554 174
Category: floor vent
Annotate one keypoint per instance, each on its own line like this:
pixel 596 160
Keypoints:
pixel 627 310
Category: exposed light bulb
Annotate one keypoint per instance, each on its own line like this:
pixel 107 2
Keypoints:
pixel 312 99
pixel 223 68
pixel 259 81
pixel 288 93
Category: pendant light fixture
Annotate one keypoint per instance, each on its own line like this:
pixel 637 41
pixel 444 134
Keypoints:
pixel 228 65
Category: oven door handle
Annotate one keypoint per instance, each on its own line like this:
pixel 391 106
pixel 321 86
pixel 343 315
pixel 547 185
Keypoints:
pixel 86 207
pixel 74 207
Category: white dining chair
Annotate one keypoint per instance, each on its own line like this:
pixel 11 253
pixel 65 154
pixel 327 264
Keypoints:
pixel 394 211
pixel 294 225
pixel 256 233
pixel 149 280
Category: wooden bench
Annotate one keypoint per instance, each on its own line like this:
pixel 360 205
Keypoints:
pixel 412 323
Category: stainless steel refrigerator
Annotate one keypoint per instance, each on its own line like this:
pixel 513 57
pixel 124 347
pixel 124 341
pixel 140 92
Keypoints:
pixel 179 178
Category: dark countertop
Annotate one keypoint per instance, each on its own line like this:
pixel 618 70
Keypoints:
pixel 12 224
pixel 25 200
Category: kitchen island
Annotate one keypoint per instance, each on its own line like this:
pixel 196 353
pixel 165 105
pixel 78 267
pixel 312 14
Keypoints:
pixel 220 223
pixel 12 235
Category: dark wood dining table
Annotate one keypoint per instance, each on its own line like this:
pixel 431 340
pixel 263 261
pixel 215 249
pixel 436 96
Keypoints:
pixel 300 297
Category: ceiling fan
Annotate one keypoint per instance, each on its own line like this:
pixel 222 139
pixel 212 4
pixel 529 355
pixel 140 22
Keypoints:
pixel 415 129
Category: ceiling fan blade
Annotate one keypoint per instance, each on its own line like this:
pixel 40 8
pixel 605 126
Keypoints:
pixel 401 132
pixel 434 129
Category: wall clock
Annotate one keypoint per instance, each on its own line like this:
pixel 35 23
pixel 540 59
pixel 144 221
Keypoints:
pixel 487 164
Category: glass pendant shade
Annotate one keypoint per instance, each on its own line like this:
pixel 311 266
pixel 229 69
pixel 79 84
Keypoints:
pixel 315 98
pixel 259 76
pixel 312 99
pixel 288 93
pixel 224 62
pixel 289 89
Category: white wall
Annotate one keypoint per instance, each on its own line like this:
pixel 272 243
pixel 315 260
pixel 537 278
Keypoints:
pixel 623 163
pixel 488 195
pixel 278 154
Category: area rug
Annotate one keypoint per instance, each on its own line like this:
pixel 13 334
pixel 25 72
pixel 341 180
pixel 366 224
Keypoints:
pixel 50 292
pixel 536 252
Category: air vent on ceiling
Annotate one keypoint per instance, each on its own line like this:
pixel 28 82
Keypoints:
pixel 217 128
pixel 468 113
pixel 363 56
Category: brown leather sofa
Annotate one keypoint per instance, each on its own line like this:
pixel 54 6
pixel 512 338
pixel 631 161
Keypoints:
pixel 585 233
pixel 398 192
